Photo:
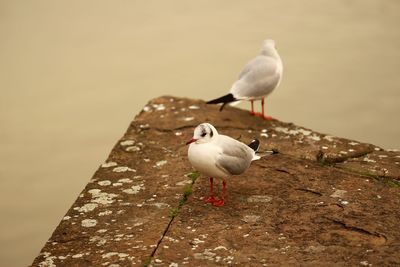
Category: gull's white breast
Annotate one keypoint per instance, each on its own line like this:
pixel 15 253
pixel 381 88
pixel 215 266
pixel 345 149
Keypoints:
pixel 203 158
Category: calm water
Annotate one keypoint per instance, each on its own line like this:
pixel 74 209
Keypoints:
pixel 73 75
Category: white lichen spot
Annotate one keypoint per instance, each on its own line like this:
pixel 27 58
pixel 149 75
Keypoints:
pixel 344 202
pixel 259 198
pixel 178 133
pixel 104 183
pixel 160 163
pixel 378 197
pixel 205 255
pixel 197 241
pixel 338 193
pixel 343 152
pixel 364 263
pixel 220 247
pixel 246 235
pixel 133 190
pixel 184 182
pixel 106 212
pixel 144 126
pixel 102 231
pixel 329 138
pixel 89 223
pixel 304 131
pixel 125 180
pixel 123 169
pixel 111 254
pixel 251 218
pixel 377 148
pixel 102 197
pixel 100 241
pixel 117 184
pixel 188 118
pixel 147 108
pixel 366 159
pixel 353 143
pixel 293 131
pixel 264 130
pixel 264 135
pixel 171 239
pixel 132 149
pixel 109 164
pixel 48 260
pixel 158 260
pixel 194 107
pixel 76 256
pixel 173 264
pixel 87 207
pixel 382 156
pixel 324 147
pixel 158 107
pixel 314 137
pixel 127 143
pixel 66 218
pixel 351 150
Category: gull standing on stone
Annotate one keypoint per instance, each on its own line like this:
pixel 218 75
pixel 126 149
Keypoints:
pixel 258 79
pixel 219 156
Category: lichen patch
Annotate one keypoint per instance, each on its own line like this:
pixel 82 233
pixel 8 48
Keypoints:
pixel 89 222
pixel 109 164
pixel 123 169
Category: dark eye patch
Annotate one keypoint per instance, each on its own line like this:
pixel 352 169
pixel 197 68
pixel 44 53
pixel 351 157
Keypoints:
pixel 203 134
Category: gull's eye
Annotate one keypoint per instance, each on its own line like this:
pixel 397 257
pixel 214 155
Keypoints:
pixel 203 134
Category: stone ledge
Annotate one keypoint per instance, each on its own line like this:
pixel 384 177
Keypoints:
pixel 320 200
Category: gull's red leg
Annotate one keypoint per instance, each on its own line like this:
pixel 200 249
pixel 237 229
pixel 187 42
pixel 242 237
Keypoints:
pixel 221 201
pixel 263 113
pixel 211 198
pixel 252 107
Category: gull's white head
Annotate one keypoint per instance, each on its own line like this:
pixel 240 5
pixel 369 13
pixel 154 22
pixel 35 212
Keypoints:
pixel 268 47
pixel 203 133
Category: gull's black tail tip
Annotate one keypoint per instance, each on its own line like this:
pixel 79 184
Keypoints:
pixel 223 99
pixel 255 144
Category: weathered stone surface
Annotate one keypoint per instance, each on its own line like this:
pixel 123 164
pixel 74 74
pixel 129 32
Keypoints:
pixel 304 223
pixel 321 200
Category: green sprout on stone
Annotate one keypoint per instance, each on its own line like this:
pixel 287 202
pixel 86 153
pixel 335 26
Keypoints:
pixel 186 193
pixel 193 175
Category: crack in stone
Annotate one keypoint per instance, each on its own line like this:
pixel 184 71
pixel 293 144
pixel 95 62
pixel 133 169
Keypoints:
pixel 358 229
pixel 309 190
pixel 323 158
pixel 174 214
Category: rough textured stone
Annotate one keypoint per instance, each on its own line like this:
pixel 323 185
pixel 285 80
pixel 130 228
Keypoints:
pixel 320 200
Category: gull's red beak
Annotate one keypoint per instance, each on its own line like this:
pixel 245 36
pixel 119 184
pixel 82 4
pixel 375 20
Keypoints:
pixel 191 141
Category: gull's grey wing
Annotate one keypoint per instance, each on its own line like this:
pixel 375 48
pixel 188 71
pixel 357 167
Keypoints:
pixel 267 64
pixel 258 78
pixel 235 157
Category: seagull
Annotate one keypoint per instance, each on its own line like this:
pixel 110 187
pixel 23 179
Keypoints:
pixel 219 156
pixel 259 78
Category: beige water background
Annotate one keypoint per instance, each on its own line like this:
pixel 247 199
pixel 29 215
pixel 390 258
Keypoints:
pixel 74 73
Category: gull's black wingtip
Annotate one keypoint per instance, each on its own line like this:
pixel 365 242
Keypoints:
pixel 255 144
pixel 223 99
